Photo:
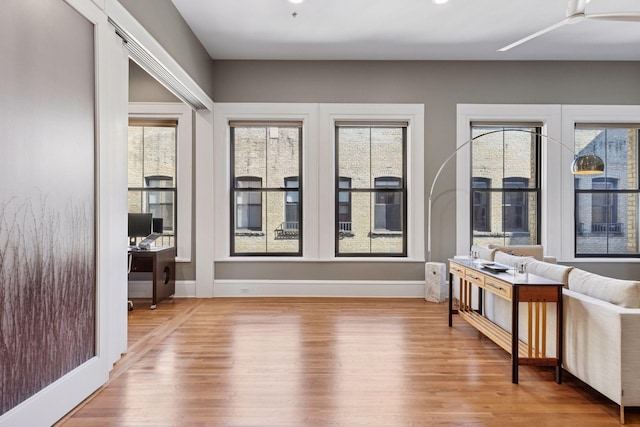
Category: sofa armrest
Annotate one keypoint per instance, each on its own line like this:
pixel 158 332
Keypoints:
pixel 602 346
pixel 550 259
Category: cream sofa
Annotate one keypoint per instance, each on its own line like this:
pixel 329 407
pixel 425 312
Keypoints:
pixel 601 323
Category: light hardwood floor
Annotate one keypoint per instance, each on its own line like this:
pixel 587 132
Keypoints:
pixel 326 362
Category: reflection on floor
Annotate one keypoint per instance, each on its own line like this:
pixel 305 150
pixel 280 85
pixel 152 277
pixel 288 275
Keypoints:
pixel 326 362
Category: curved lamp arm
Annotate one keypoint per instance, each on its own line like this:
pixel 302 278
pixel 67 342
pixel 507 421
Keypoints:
pixel 587 164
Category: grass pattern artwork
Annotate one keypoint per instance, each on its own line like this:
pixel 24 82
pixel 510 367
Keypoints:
pixel 47 294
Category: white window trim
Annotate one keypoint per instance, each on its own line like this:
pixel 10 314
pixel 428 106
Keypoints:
pixel 183 114
pixel 222 114
pixel 319 172
pixel 414 115
pixel 572 114
pixel 556 164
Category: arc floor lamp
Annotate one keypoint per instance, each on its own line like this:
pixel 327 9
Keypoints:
pixel 585 164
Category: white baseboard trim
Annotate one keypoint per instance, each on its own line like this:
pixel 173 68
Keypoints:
pixel 143 289
pixel 318 288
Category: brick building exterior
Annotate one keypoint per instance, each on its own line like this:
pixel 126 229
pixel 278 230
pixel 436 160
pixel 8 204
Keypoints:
pixel 269 158
pixel 152 163
pixel 608 223
pixel 605 223
pixel 504 160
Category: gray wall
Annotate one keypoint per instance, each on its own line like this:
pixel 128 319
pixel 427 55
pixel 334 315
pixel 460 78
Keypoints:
pixel 144 88
pixel 440 86
pixel 166 25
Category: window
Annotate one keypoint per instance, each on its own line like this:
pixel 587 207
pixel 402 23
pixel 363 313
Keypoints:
pixel 507 154
pixel 515 212
pixel 160 200
pixel 373 200
pixel 332 205
pixel 606 220
pixel 481 215
pixel 152 172
pixel 249 204
pixel 604 206
pixel 291 208
pixel 388 212
pixel 267 193
pixel 167 175
pixel 344 208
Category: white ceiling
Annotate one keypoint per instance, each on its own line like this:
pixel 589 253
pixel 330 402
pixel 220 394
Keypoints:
pixel 408 30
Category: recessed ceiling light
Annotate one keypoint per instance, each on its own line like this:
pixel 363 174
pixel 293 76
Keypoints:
pixel 296 1
pixel 435 1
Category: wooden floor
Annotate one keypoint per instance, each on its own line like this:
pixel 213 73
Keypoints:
pixel 326 362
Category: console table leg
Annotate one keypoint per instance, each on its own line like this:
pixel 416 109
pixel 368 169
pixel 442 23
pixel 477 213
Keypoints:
pixel 515 316
pixel 450 299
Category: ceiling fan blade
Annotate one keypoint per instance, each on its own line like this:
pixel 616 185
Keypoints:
pixel 576 7
pixel 621 16
pixel 534 35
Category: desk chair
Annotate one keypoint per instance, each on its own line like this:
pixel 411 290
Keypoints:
pixel 129 302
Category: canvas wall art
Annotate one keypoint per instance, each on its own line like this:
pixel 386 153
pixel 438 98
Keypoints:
pixel 47 197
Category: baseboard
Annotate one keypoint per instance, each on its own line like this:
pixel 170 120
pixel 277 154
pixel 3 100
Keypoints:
pixel 143 289
pixel 318 288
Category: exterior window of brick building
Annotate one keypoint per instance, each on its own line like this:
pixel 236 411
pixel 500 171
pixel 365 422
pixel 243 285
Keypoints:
pixel 481 216
pixel 249 204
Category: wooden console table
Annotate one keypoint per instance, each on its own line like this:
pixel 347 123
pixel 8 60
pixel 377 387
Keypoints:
pixel 161 262
pixel 535 290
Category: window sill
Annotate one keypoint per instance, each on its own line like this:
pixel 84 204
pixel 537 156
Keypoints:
pixel 481 233
pixel 384 233
pixel 600 260
pixel 250 233
pixel 303 259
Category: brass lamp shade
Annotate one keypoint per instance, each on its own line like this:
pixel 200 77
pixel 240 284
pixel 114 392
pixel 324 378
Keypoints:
pixel 587 164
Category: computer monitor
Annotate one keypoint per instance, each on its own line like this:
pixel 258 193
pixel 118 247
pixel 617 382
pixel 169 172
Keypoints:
pixel 139 226
pixel 158 225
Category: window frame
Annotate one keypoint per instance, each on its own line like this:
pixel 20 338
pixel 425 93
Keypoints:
pixel 184 165
pixel 557 201
pixel 269 125
pixel 603 186
pixel 318 177
pixel 573 115
pixel 413 114
pixel 507 189
pixel 554 166
pixel 377 191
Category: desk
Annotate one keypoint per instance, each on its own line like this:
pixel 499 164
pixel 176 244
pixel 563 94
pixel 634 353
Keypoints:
pixel 161 263
pixel 535 290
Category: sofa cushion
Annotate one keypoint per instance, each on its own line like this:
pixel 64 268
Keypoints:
pixel 511 260
pixel 623 293
pixel 534 251
pixel 559 273
pixel 484 252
